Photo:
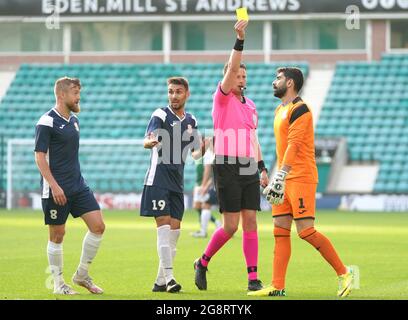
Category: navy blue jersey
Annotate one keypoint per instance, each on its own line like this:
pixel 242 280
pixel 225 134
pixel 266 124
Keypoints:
pixel 177 137
pixel 59 139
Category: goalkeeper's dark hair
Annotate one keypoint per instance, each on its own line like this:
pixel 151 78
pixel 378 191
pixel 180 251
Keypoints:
pixel 293 73
pixel 178 80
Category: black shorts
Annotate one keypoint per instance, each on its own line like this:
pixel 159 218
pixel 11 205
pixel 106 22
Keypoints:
pixel 77 204
pixel 237 184
pixel 158 202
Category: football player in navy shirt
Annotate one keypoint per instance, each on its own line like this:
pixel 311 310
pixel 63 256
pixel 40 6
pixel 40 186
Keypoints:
pixel 171 134
pixel 64 190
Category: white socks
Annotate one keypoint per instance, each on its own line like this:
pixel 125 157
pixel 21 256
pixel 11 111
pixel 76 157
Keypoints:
pixel 55 260
pixel 163 249
pixel 174 236
pixel 205 219
pixel 90 247
pixel 166 249
pixel 55 257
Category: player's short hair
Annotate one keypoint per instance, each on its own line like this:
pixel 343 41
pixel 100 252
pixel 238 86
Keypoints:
pixel 178 80
pixel 293 73
pixel 62 84
pixel 226 66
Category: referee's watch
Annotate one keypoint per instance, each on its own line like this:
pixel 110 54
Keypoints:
pixel 261 166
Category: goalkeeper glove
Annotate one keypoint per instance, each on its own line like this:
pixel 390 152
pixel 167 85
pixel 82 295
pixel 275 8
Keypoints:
pixel 275 191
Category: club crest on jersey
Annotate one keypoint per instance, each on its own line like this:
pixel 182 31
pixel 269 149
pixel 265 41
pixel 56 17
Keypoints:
pixel 189 129
pixel 284 114
pixel 76 126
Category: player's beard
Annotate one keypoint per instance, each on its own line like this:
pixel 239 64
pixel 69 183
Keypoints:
pixel 280 92
pixel 177 106
pixel 74 107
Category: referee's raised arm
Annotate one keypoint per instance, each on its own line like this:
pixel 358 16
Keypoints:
pixel 235 57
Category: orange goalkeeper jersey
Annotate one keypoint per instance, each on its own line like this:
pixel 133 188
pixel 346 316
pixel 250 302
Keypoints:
pixel 293 127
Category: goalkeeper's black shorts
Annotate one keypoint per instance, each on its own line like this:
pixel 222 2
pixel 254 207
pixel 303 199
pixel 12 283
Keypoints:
pixel 237 183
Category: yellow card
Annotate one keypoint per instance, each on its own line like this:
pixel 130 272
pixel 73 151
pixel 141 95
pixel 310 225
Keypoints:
pixel 242 14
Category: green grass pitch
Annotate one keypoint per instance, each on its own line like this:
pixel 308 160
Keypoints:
pixel 126 264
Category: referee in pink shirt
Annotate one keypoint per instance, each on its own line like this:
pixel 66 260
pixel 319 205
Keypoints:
pixel 238 166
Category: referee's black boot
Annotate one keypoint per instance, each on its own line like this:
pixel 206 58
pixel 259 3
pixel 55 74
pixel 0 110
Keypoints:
pixel 200 275
pixel 254 285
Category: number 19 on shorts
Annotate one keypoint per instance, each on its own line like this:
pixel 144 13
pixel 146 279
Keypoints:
pixel 160 203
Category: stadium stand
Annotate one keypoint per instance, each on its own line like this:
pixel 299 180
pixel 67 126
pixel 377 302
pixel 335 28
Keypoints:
pixel 358 107
pixel 117 101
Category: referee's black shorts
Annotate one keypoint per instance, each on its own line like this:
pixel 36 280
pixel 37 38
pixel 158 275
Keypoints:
pixel 237 183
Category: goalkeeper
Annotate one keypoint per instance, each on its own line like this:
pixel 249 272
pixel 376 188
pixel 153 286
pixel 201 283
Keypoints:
pixel 292 189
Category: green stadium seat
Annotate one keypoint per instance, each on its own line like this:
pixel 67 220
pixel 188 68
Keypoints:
pixel 124 96
pixel 376 126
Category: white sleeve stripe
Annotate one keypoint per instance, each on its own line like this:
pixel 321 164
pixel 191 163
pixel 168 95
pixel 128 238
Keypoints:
pixel 160 114
pixel 46 186
pixel 45 120
pixel 153 166
pixel 196 122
